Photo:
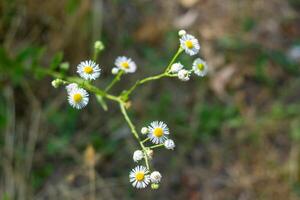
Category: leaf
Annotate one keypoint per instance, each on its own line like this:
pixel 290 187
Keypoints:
pixel 102 102
pixel 56 60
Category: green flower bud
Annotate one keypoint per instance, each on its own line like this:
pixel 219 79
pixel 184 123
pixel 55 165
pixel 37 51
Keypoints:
pixel 99 46
pixel 154 186
pixel 56 83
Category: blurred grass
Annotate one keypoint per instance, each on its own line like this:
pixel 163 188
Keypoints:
pixel 241 141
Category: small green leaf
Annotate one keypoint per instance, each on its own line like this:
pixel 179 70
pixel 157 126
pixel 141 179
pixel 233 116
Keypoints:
pixel 56 60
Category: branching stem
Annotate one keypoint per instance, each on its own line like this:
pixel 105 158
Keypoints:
pixel 134 132
pixel 122 98
pixel 115 80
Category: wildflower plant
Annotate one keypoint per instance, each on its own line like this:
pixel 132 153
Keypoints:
pixel 151 136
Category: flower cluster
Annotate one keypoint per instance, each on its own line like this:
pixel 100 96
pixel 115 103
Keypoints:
pixel 157 132
pixel 191 47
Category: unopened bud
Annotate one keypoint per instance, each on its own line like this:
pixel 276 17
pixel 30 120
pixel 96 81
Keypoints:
pixel 99 46
pixel 154 186
pixel 56 83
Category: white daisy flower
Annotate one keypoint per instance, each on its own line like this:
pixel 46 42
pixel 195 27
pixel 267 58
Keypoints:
pixel 157 132
pixel 126 64
pixel 176 67
pixel 155 177
pixel 200 67
pixel 190 44
pixel 88 70
pixel 139 177
pixel 78 97
pixel 71 86
pixel 184 75
pixel 144 130
pixel 138 155
pixel 169 144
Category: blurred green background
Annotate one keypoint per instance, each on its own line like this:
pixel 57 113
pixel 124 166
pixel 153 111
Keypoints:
pixel 237 131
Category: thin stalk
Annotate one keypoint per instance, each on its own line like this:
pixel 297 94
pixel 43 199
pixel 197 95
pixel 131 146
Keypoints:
pixel 134 132
pixel 82 83
pixel 155 146
pixel 140 82
pixel 95 54
pixel 151 78
pixel 180 50
pixel 145 140
pixel 115 80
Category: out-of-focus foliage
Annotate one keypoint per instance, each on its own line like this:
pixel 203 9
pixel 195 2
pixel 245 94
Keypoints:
pixel 237 131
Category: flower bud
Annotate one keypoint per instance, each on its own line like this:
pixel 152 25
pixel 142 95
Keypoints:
pixel 154 186
pixel 149 153
pixel 138 155
pixel 184 75
pixel 169 144
pixel 155 177
pixel 99 46
pixel 181 33
pixel 114 70
pixel 144 130
pixel 176 67
pixel 71 87
pixel 56 83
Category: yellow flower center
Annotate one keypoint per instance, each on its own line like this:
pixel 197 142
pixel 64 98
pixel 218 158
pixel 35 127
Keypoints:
pixel 139 176
pixel 158 132
pixel 200 66
pixel 88 69
pixel 189 44
pixel 77 97
pixel 125 65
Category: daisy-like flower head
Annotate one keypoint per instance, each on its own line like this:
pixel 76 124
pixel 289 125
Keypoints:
pixel 137 155
pixel 169 144
pixel 155 177
pixel 139 177
pixel 157 132
pixel 176 67
pixel 190 44
pixel 78 97
pixel 88 70
pixel 125 64
pixel 184 75
pixel 200 67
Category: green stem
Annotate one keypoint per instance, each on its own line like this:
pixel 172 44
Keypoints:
pixel 155 146
pixel 151 78
pixel 115 80
pixel 145 140
pixel 134 132
pixel 95 55
pixel 180 50
pixel 145 80
pixel 82 83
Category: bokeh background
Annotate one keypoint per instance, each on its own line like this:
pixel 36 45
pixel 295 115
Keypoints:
pixel 237 130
